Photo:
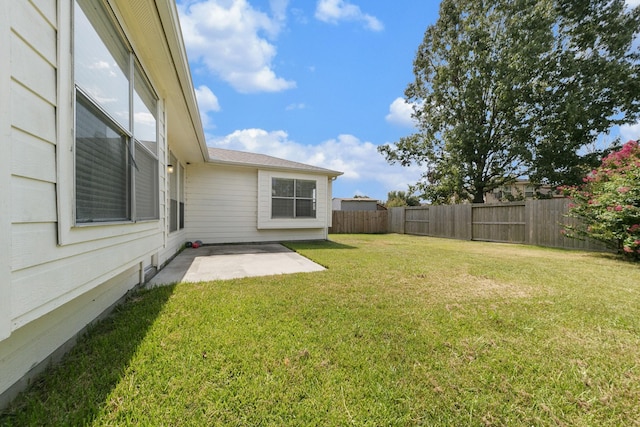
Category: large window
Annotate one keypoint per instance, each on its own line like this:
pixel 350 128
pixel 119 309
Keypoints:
pixel 116 146
pixel 293 198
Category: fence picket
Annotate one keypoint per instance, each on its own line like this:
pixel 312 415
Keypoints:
pixel 533 222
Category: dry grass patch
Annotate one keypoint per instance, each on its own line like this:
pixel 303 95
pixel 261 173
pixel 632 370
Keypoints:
pixel 468 286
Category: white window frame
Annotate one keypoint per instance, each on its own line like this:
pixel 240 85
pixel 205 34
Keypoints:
pixel 68 231
pixel 265 221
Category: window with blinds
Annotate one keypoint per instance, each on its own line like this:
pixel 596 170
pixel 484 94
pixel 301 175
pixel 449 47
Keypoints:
pixel 146 168
pixel 102 172
pixel 293 198
pixel 116 155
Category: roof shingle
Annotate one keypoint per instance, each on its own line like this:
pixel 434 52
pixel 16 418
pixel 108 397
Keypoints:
pixel 243 158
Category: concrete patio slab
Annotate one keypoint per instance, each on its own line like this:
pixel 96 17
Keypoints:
pixel 221 262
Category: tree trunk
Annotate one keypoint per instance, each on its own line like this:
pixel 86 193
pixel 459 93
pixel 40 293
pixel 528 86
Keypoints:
pixel 478 197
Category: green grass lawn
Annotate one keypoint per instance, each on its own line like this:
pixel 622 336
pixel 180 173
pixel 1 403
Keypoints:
pixel 399 331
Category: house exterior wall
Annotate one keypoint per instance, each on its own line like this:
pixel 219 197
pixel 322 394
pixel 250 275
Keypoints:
pixel 55 277
pixel 519 190
pixel 173 240
pixel 223 207
pixel 30 349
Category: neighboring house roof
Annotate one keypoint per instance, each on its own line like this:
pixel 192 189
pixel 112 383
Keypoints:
pixel 243 158
pixel 356 199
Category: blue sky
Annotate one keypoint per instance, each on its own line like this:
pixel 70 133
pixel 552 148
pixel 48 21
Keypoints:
pixel 319 82
pixel 315 81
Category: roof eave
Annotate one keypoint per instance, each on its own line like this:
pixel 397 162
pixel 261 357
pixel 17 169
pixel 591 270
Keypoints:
pixel 326 172
pixel 168 12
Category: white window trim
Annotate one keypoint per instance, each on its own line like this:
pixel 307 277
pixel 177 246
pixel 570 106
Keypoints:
pixel 264 202
pixel 68 231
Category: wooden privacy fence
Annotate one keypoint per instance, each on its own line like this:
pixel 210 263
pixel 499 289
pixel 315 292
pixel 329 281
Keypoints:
pixel 366 222
pixel 532 222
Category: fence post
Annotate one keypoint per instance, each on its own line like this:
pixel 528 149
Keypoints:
pixel 469 222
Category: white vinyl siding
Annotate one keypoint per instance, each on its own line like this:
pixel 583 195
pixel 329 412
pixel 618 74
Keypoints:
pixel 30 347
pixel 6 168
pixel 54 277
pixel 44 274
pixel 223 207
pixel 32 138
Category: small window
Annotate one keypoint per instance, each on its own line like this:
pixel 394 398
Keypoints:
pixel 293 198
pixel 529 192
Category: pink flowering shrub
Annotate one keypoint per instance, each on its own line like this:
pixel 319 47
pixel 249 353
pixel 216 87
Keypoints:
pixel 608 203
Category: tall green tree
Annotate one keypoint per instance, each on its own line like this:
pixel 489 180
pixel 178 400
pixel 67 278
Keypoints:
pixel 510 88
pixel 588 81
pixel 401 198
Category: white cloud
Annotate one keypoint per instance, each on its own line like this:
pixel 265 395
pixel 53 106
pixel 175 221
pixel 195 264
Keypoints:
pixel 207 100
pixel 299 16
pixel 207 103
pixel 232 40
pixel 400 113
pixel 279 9
pixel 360 161
pixel 633 3
pixel 630 132
pixel 296 106
pixel 334 11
